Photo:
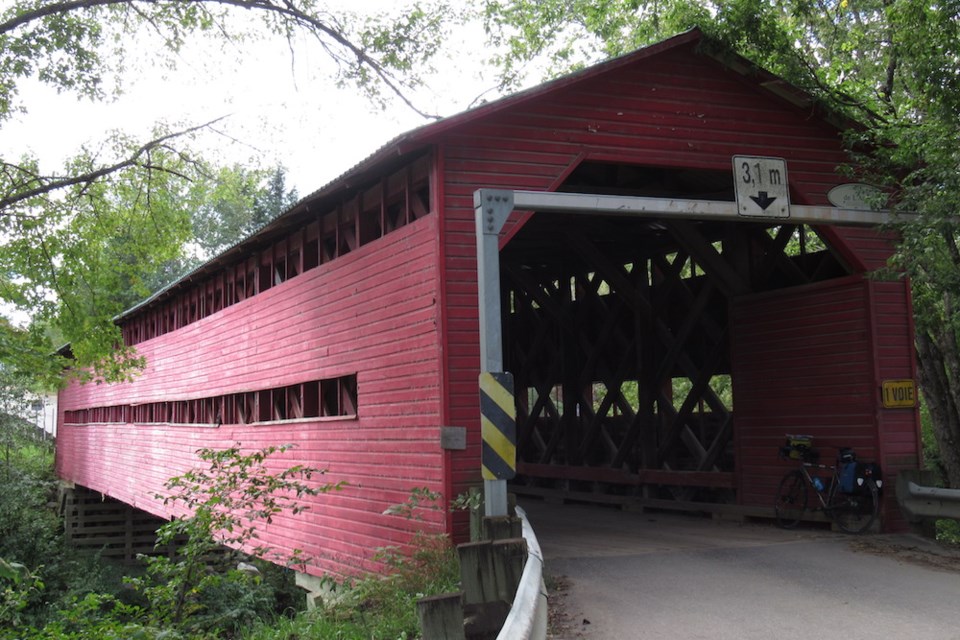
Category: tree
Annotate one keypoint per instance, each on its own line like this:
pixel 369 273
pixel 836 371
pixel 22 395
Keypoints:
pixel 79 242
pixel 892 65
pixel 228 204
pixel 242 201
pixel 72 260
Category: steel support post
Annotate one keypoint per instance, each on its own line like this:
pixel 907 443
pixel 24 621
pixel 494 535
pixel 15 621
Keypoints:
pixel 492 208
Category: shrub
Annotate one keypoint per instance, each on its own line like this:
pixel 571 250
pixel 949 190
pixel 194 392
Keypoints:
pixel 227 501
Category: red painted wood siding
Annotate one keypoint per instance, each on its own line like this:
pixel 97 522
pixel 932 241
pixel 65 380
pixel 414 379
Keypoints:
pixel 900 444
pixel 372 312
pixel 675 109
pixel 809 371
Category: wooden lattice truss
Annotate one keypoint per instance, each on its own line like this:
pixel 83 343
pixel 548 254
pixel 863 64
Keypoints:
pixel 616 331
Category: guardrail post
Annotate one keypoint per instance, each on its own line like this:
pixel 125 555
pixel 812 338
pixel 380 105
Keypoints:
pixel 503 595
pixel 441 616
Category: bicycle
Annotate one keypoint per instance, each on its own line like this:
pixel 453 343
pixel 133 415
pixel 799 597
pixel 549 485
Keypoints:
pixel 852 503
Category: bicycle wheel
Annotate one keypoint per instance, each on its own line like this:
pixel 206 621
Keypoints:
pixel 855 513
pixel 791 499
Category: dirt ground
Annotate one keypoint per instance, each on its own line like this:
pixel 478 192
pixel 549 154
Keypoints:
pixel 912 549
pixel 560 624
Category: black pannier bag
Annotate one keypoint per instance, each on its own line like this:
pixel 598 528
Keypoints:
pixel 868 470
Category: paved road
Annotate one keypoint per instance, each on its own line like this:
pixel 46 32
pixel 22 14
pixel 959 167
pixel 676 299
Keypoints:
pixel 650 576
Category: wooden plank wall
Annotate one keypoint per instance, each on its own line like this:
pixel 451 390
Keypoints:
pixel 372 312
pixel 676 109
pixel 803 363
pixel 900 444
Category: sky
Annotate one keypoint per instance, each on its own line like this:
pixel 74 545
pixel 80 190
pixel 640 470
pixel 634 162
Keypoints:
pixel 281 107
pixel 280 104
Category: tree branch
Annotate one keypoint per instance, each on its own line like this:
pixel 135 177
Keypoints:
pixel 56 184
pixel 287 9
pixel 52 9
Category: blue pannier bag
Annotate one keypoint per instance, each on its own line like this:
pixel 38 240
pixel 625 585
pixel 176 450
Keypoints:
pixel 848 477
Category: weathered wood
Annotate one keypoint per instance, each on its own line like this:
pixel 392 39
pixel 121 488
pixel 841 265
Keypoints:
pixel 511 555
pixel 112 528
pixel 501 528
pixel 476 572
pixel 558 496
pixel 400 310
pixel 483 621
pixel 489 569
pixel 703 251
pixel 373 312
pixel 618 337
pixel 715 479
pixel 441 616
pixel 476 514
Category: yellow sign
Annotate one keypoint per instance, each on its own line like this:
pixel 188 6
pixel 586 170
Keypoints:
pixel 498 426
pixel 898 394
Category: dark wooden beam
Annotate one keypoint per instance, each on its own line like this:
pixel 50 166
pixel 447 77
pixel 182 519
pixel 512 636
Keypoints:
pixel 712 479
pixel 775 256
pixel 706 255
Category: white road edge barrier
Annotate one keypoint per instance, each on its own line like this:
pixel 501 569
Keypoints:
pixel 528 615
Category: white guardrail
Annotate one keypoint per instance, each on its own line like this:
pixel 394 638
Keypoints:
pixel 528 615
pixel 918 501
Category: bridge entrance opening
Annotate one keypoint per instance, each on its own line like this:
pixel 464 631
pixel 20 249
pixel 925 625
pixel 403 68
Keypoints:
pixel 618 332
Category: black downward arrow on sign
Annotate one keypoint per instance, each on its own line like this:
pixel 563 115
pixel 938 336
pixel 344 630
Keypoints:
pixel 763 200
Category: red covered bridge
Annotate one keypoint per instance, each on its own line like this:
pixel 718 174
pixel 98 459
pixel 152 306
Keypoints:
pixel 657 360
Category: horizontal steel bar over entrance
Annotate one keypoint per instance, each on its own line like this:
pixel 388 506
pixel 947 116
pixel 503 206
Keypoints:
pixel 552 202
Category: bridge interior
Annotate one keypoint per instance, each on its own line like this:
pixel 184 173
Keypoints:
pixel 617 332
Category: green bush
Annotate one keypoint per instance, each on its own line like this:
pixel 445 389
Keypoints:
pixel 31 534
pixel 376 607
pixel 227 499
pixel 78 596
pixel 234 602
pixel 96 617
pixel 30 531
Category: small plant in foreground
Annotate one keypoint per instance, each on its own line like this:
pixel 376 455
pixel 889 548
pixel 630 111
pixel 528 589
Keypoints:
pixel 226 502
pixel 17 586
pixel 420 498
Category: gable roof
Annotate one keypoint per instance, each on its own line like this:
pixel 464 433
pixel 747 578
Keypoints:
pixel 419 139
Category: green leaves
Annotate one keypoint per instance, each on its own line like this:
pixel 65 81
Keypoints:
pixel 74 258
pixel 59 48
pixel 12 571
pixel 17 586
pixel 235 202
pixel 227 502
pixel 83 243
pixel 569 34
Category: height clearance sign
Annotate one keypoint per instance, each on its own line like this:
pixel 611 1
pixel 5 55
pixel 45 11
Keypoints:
pixel 761 187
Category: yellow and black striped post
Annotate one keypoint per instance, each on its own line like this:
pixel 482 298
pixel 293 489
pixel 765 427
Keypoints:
pixel 498 426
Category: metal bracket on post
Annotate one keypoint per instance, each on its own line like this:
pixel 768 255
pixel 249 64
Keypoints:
pixel 492 207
